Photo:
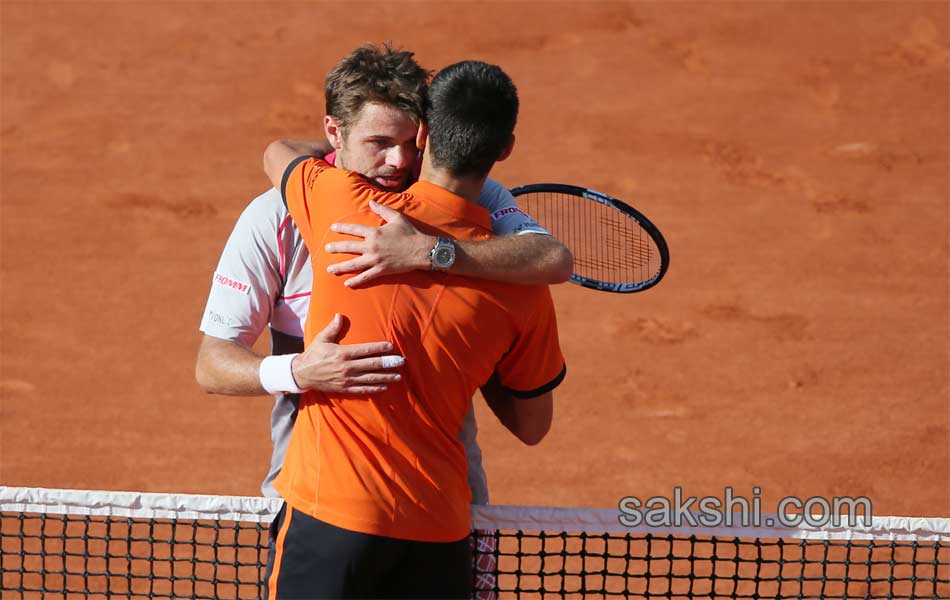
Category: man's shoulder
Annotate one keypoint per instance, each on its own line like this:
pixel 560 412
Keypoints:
pixel 269 206
pixel 325 179
pixel 262 219
pixel 447 211
pixel 493 194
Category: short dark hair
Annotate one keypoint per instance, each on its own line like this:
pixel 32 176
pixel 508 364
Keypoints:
pixel 472 110
pixel 375 74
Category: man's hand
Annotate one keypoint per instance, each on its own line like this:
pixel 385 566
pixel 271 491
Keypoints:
pixel 351 369
pixel 396 247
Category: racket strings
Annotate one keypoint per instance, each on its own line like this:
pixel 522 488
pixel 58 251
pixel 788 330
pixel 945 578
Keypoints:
pixel 608 245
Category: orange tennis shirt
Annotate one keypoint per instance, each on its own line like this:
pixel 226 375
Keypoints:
pixel 391 464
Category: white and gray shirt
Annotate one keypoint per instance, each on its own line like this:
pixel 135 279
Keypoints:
pixel 264 277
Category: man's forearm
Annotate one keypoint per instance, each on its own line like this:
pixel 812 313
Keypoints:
pixel 226 367
pixel 398 247
pixel 526 259
pixel 310 147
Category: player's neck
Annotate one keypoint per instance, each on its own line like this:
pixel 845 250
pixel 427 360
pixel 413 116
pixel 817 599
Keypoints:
pixel 467 187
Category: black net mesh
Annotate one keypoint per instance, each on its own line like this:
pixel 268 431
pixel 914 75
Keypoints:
pixel 584 565
pixel 115 557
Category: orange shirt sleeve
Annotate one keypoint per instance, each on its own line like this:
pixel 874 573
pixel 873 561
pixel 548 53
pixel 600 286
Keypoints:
pixel 294 187
pixel 317 194
pixel 534 364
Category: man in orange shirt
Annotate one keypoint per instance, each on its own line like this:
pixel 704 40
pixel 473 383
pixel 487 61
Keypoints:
pixel 376 490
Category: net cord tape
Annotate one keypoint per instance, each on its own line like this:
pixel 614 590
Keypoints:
pixel 520 518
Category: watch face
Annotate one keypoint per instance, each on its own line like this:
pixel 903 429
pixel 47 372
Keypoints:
pixel 444 256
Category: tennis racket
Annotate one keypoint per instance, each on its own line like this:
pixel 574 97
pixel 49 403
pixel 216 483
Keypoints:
pixel 616 249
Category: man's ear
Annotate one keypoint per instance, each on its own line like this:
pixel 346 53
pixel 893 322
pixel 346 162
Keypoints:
pixel 333 131
pixel 506 152
pixel 422 136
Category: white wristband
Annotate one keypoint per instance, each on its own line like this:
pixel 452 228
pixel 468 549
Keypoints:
pixel 277 375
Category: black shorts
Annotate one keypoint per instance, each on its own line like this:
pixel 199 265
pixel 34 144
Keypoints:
pixel 318 560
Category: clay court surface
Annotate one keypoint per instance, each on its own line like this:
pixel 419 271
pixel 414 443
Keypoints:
pixel 794 154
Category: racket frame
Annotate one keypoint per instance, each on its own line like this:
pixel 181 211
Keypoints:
pixel 623 207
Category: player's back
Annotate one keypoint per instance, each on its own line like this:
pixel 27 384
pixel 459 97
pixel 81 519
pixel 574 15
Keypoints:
pixel 388 463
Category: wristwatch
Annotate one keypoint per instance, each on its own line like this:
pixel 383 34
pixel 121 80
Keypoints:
pixel 442 255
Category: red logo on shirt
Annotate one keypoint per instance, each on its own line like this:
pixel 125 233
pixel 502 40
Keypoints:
pixel 232 283
pixel 505 212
